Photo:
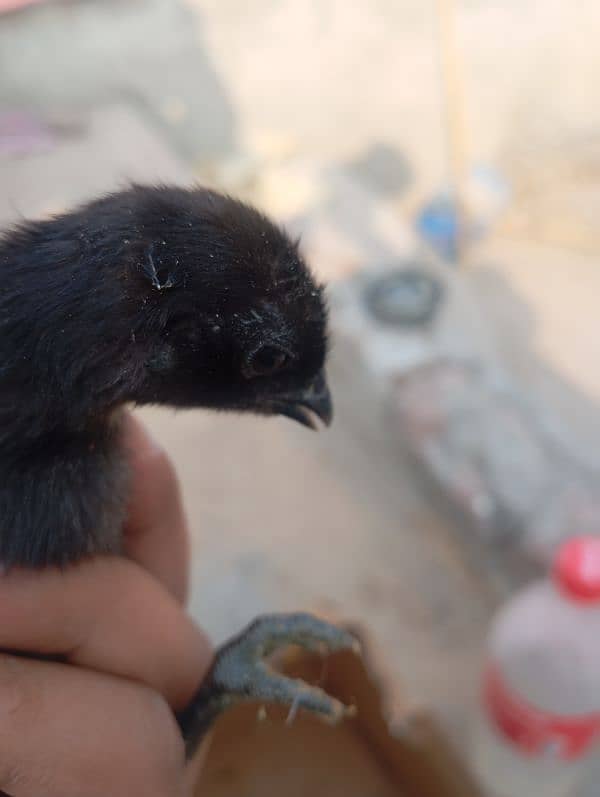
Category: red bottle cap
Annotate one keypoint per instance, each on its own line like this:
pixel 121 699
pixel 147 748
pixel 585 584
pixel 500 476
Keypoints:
pixel 577 569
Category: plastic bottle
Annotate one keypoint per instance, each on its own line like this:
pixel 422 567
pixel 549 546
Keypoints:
pixel 539 716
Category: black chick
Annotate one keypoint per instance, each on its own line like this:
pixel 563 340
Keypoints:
pixel 162 295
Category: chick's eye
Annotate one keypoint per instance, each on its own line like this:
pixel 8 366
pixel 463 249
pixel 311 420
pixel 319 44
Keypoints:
pixel 265 360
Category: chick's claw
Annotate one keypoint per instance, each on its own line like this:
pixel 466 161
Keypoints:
pixel 239 672
pixel 272 631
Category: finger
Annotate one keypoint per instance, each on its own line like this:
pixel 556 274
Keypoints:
pixel 156 532
pixel 66 731
pixel 108 614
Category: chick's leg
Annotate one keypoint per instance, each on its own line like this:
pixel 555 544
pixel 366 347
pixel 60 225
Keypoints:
pixel 239 672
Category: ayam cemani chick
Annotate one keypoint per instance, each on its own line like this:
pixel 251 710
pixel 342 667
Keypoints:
pixel 155 295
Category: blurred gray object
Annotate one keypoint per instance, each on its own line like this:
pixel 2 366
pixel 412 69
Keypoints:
pixel 497 454
pixel 56 55
pixel 24 133
pixel 406 296
pixel 382 169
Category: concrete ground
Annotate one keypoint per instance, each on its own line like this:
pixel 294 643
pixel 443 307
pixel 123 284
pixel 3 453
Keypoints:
pixel 157 90
pixel 331 78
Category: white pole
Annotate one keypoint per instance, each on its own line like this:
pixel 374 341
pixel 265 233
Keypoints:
pixel 454 116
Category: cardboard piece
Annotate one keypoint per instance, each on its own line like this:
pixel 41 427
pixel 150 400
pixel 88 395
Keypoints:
pixel 261 751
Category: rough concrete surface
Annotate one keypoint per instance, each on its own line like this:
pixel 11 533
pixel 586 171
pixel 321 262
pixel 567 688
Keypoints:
pixel 155 89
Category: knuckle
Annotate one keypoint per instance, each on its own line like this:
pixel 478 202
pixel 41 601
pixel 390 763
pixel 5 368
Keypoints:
pixel 144 755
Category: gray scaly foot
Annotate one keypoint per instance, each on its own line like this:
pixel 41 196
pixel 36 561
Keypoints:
pixel 239 672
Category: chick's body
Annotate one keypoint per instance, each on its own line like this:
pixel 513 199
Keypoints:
pixel 153 295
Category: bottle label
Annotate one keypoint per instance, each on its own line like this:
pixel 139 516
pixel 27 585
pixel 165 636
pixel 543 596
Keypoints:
pixel 536 732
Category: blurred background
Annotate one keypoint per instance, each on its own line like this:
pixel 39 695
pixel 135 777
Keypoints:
pixel 441 161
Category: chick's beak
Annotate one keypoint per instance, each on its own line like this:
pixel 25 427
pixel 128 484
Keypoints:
pixel 303 406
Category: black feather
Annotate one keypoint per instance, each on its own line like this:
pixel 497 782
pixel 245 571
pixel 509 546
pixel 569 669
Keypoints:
pixel 153 295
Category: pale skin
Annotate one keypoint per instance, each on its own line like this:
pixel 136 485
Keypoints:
pixel 105 725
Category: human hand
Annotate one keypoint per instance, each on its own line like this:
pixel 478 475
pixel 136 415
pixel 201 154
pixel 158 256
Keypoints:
pixel 105 726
